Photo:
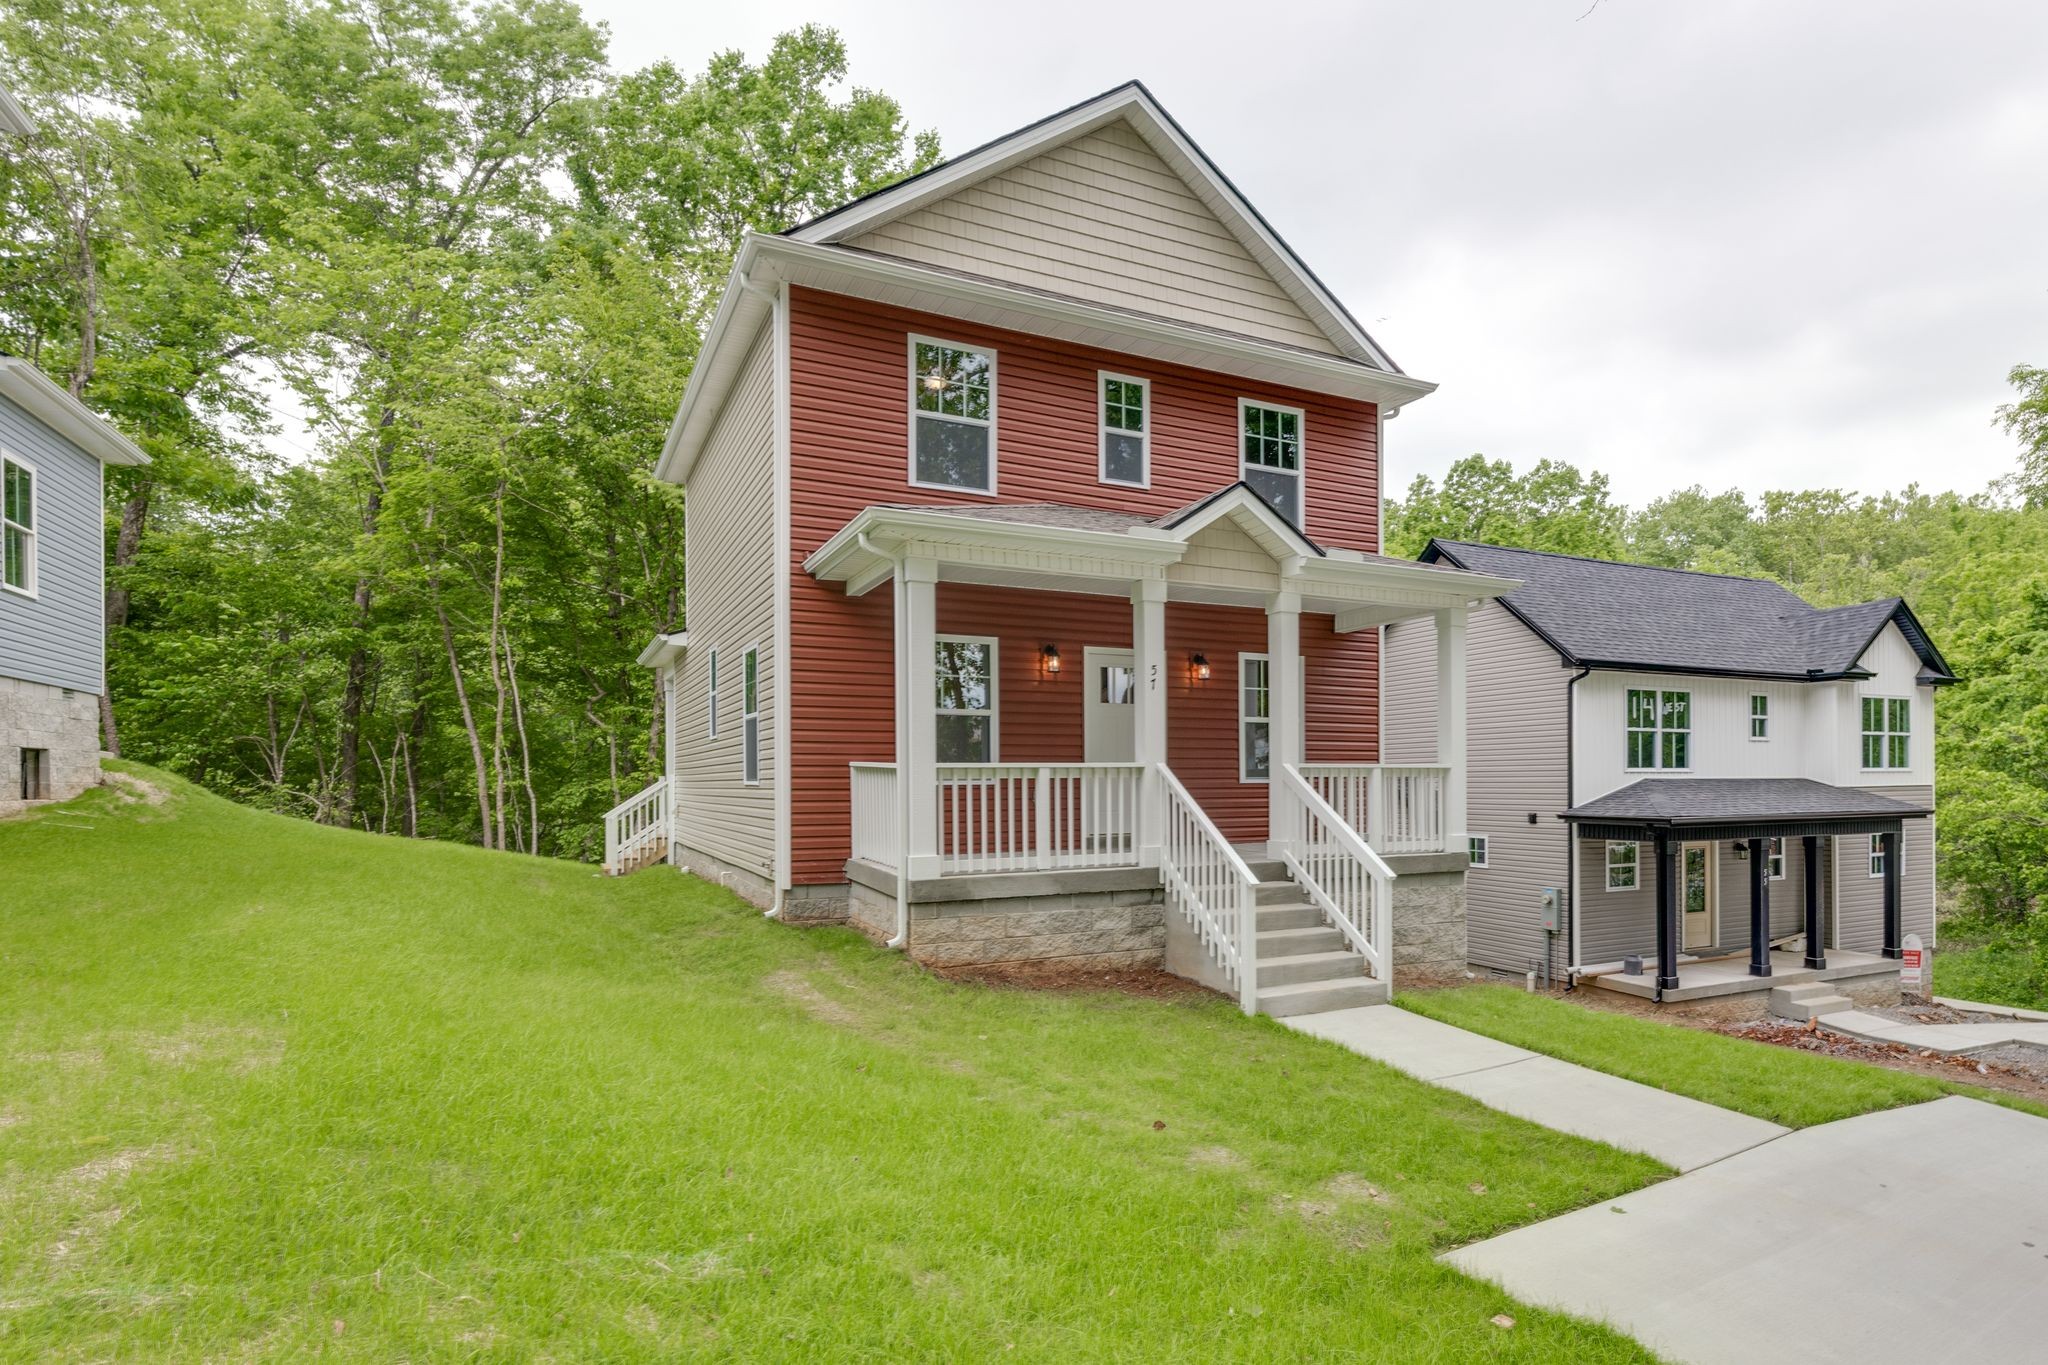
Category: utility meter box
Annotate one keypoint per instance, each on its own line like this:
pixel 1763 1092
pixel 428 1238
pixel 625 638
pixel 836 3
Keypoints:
pixel 1548 899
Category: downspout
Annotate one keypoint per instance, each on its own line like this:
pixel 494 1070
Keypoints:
pixel 1571 840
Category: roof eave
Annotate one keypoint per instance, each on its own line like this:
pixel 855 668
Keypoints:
pixel 14 119
pixel 58 410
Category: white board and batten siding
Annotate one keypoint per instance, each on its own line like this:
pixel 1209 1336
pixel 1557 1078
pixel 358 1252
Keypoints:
pixel 1104 218
pixel 55 637
pixel 730 578
pixel 1515 750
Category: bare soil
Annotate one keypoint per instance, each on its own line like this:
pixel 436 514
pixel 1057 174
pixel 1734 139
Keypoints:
pixel 2006 1071
pixel 1146 982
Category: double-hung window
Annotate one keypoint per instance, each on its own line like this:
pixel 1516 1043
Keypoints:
pixel 1887 732
pixel 1254 719
pixel 17 526
pixel 1659 729
pixel 1759 716
pixel 1877 855
pixel 1126 429
pixel 1624 863
pixel 952 416
pixel 966 700
pixel 1774 858
pixel 750 717
pixel 1270 444
pixel 711 700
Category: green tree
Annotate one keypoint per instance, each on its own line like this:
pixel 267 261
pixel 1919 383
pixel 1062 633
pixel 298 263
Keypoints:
pixel 1553 507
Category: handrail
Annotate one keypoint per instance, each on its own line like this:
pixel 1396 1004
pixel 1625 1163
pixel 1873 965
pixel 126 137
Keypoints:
pixel 636 826
pixel 1339 870
pixel 1211 885
pixel 1350 839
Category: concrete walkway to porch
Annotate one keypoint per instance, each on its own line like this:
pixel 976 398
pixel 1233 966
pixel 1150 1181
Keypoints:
pixel 1681 1132
pixel 1950 1040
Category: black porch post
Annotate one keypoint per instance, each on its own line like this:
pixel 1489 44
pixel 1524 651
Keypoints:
pixel 1816 957
pixel 1667 919
pixel 1894 948
pixel 1759 908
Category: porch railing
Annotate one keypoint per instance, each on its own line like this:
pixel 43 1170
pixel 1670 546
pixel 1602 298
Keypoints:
pixel 636 831
pixel 1209 885
pixel 1338 869
pixel 1396 809
pixel 1023 817
pixel 877 816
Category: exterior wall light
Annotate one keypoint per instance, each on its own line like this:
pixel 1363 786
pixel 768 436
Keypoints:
pixel 1049 660
pixel 1198 666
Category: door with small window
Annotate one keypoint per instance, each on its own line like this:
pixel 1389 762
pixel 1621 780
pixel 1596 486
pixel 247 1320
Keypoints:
pixel 1696 896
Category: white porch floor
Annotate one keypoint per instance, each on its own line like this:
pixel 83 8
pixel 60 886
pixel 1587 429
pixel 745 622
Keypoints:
pixel 1699 980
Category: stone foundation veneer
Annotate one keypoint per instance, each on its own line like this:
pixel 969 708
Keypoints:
pixel 66 723
pixel 1073 919
pixel 1429 918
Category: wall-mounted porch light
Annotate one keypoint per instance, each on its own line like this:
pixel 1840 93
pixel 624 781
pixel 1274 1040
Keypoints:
pixel 1049 660
pixel 1198 667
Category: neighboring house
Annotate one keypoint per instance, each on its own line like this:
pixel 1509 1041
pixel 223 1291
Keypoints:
pixel 1662 762
pixel 1033 518
pixel 52 569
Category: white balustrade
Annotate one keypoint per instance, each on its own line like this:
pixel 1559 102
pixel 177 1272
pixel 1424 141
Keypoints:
pixel 636 831
pixel 1019 817
pixel 1339 870
pixel 1209 885
pixel 1396 809
pixel 877 814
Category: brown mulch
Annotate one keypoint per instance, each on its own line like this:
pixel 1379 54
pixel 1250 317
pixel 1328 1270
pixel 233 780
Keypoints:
pixel 1146 982
pixel 2016 1077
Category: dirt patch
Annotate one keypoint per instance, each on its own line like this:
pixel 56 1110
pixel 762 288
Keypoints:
pixel 1216 1158
pixel 2018 1073
pixel 130 788
pixel 797 987
pixel 1356 1188
pixel 1146 982
pixel 242 1049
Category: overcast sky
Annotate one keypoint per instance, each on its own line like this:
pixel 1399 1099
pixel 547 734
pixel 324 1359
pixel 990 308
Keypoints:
pixel 1739 244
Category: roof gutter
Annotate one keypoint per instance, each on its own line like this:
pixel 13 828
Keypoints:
pixel 56 409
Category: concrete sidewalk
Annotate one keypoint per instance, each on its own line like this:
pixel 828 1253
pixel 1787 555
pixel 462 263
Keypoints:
pixel 1678 1131
pixel 1917 1234
pixel 1947 1039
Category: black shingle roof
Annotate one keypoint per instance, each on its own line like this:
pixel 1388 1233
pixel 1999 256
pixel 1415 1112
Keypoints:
pixel 1734 800
pixel 1598 612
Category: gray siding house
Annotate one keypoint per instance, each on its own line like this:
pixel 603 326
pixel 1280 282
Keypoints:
pixel 53 451
pixel 1700 772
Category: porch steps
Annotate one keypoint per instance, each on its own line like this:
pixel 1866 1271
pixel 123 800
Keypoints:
pixel 1305 966
pixel 1809 1000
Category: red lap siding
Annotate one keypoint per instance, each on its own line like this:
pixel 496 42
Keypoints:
pixel 849 437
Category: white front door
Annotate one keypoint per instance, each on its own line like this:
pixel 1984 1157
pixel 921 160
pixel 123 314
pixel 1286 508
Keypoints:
pixel 1697 898
pixel 1109 706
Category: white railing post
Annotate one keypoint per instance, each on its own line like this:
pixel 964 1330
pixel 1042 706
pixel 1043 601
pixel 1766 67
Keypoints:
pixel 1042 850
pixel 1283 701
pixel 1376 823
pixel 916 730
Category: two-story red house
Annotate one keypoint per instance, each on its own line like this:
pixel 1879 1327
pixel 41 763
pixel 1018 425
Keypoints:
pixel 1033 585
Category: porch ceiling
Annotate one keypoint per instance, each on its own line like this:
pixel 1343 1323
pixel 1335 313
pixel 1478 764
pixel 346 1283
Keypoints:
pixel 1062 548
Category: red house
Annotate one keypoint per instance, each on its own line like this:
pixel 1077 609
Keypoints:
pixel 1034 599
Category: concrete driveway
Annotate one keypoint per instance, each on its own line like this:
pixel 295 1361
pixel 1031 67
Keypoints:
pixel 1916 1234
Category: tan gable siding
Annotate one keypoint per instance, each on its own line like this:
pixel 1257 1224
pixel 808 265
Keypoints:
pixel 1103 218
pixel 729 576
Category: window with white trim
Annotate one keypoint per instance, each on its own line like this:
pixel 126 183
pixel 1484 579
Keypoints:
pixel 17 526
pixel 750 717
pixel 1254 719
pixel 1877 855
pixel 1624 865
pixel 711 699
pixel 952 416
pixel 1774 858
pixel 966 700
pixel 1759 716
pixel 1659 729
pixel 1126 429
pixel 1270 450
pixel 1475 850
pixel 1887 732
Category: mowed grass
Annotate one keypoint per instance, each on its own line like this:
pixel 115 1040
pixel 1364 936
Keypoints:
pixel 275 1091
pixel 1797 1089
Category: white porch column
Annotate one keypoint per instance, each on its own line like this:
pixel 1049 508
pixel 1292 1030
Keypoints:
pixel 1283 704
pixel 916 732
pixel 1148 650
pixel 1450 720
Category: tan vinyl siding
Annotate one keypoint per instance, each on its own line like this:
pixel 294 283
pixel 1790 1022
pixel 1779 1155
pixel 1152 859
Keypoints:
pixel 1222 555
pixel 1860 903
pixel 729 570
pixel 1616 923
pixel 1104 218
pixel 1410 692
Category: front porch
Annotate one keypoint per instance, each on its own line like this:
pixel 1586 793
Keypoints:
pixel 1719 977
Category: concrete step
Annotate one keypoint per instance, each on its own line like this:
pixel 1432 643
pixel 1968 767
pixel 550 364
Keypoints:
pixel 1297 916
pixel 1295 942
pixel 1290 971
pixel 1804 990
pixel 1276 893
pixel 1267 869
pixel 1318 997
pixel 1802 1003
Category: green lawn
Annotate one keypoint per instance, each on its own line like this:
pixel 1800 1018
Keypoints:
pixel 270 1090
pixel 1797 1089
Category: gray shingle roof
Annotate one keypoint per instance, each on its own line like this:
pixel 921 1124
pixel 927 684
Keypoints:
pixel 1726 800
pixel 1595 611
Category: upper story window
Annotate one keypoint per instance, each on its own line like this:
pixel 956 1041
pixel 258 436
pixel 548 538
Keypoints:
pixel 1126 429
pixel 1759 716
pixel 1887 732
pixel 966 701
pixel 1270 439
pixel 952 416
pixel 17 526
pixel 1659 729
